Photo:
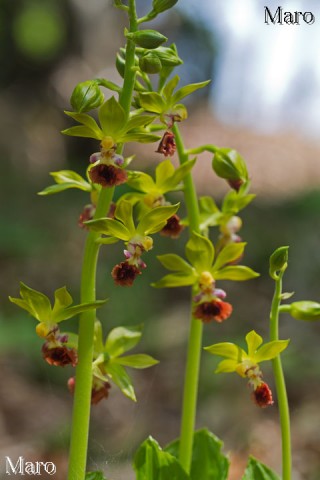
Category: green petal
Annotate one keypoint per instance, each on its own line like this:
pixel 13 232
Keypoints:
pixel 226 366
pixel 228 254
pixel 237 273
pixel 253 341
pixel 228 350
pixel 139 360
pixel 122 339
pixel 173 262
pixel 176 280
pixel 112 118
pixel 270 350
pixel 109 226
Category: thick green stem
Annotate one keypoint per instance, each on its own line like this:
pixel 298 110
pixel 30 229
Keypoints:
pixel 82 397
pixel 190 394
pixel 280 384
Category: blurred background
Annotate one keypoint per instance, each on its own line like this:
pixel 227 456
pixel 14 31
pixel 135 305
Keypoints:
pixel 264 101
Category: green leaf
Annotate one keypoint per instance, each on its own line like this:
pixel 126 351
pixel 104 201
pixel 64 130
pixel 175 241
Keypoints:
pixel 139 360
pixel 152 463
pixel 95 476
pixel 38 302
pixel 176 280
pixel 236 273
pixel 200 252
pixel 253 341
pixel 123 212
pixel 112 118
pixel 305 310
pixel 270 350
pixel 122 339
pixel 62 298
pixel 187 90
pixel 155 219
pixel 87 121
pixel 228 254
pixel 256 470
pixel 109 226
pixel 76 309
pixel 208 462
pixel 226 349
pixel 278 261
pixel 121 378
pixel 152 102
pixel 173 262
pixel 141 181
pixel 82 131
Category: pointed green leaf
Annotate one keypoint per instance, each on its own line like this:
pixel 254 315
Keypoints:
pixel 226 349
pixel 122 339
pixel 76 309
pixel 112 118
pixel 82 131
pixel 270 350
pixel 141 181
pixel 187 90
pixel 228 254
pixel 121 378
pixel 305 310
pixel 139 121
pixel 123 212
pixel 173 262
pixel 87 121
pixel 253 341
pixel 152 102
pixel 155 219
pixel 176 280
pixel 109 226
pixel 237 273
pixel 62 299
pixel 139 360
pixel 170 86
pixel 226 366
pixel 152 463
pixel 256 470
pixel 38 302
pixel 200 252
pixel 208 462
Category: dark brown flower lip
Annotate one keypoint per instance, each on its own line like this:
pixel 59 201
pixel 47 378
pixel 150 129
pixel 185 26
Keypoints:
pixel 262 395
pixel 173 227
pixel 215 309
pixel 167 145
pixel 107 175
pixel 59 355
pixel 124 274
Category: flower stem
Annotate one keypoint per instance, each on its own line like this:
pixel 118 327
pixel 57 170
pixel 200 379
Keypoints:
pixel 190 394
pixel 82 397
pixel 280 383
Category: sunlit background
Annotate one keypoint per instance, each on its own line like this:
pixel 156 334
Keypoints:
pixel 264 100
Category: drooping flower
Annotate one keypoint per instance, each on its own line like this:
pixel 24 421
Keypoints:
pixel 173 227
pixel 124 274
pixel 167 145
pixel 262 395
pixel 216 310
pixel 59 355
pixel 107 175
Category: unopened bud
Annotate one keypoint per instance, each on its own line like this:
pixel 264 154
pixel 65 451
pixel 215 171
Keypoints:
pixel 147 38
pixel 228 164
pixel 162 5
pixel 86 96
pixel 150 63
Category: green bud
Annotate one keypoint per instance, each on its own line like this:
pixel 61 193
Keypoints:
pixel 278 261
pixel 150 63
pixel 305 310
pixel 147 38
pixel 86 96
pixel 162 5
pixel 168 57
pixel 120 65
pixel 228 164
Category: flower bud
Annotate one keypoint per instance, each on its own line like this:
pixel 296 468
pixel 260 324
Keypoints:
pixel 305 310
pixel 86 96
pixel 150 63
pixel 160 6
pixel 147 38
pixel 228 164
pixel 120 64
pixel 168 57
pixel 278 261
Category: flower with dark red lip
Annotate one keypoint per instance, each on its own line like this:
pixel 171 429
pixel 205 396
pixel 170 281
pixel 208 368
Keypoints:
pixel 124 274
pixel 173 227
pixel 86 214
pixel 107 175
pixel 99 390
pixel 59 355
pixel 167 145
pixel 262 395
pixel 215 309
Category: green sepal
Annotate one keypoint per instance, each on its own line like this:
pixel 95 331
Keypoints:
pixel 168 56
pixel 174 262
pixel 109 226
pixel 256 470
pixel 153 463
pixel 228 164
pixel 95 476
pixel 121 378
pixel 150 63
pixel 86 96
pixel 152 102
pixel 187 90
pixel 62 300
pixel 226 349
pixel 170 86
pixel 138 121
pixel 123 213
pixel 229 253
pixel 76 309
pixel 160 6
pixel 305 310
pixel 146 38
pixel 82 131
pixel 155 219
pixel 234 201
pixel 168 179
pixel 122 339
pixel 237 273
pixel 107 240
pixel 139 137
pixel 139 360
pixel 278 262
pixel 254 340
pixel 200 252
pixel 208 462
pixel 87 121
pixel 112 117
pixel 176 280
pixel 270 350
pixel 141 181
pixel 66 179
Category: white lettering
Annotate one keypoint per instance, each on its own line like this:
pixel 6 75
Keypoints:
pixel 29 468
pixel 18 468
